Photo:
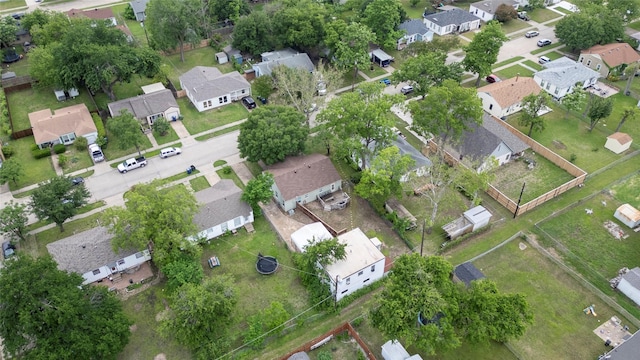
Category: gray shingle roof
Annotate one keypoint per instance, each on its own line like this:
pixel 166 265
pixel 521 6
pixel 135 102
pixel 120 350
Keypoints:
pixel 490 6
pixel 484 139
pixel 86 251
pixel 139 7
pixel 299 175
pixel 628 350
pixel 407 149
pixel 414 26
pixel 565 72
pixel 145 105
pixel 220 203
pixel 633 277
pixel 467 273
pixel 205 83
pixel 451 17
pixel 286 57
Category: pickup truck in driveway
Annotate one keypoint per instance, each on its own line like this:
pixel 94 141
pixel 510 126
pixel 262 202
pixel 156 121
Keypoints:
pixel 131 164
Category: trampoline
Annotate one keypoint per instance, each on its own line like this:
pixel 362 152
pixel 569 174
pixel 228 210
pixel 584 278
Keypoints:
pixel 266 265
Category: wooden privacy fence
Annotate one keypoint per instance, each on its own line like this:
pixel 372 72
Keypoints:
pixel 314 217
pixel 324 338
pixel 578 174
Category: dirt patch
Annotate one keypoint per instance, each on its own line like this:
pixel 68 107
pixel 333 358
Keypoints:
pixel 133 328
pixel 162 315
pixel 559 145
pixel 160 356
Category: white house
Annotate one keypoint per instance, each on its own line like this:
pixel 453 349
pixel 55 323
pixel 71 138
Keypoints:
pixel 628 215
pixel 91 255
pixel 504 98
pixel 156 102
pixel 618 142
pixel 630 285
pixel 414 31
pixel 486 10
pixel 451 21
pixel 302 179
pixel 208 88
pixel 393 350
pixel 314 231
pixel 561 75
pixel 62 126
pixel 287 57
pixel 221 210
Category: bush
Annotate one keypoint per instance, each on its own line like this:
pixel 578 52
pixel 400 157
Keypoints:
pixel 59 148
pixel 63 160
pixel 81 143
pixel 7 151
pixel 161 126
pixel 573 158
pixel 227 170
pixel 41 153
pixel 97 120
pixel 128 13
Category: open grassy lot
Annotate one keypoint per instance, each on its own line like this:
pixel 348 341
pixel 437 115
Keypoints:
pixel 199 183
pixel 567 136
pixel 546 48
pixel 513 71
pixel 543 15
pixel 556 300
pixel 373 71
pixel 627 191
pixel 620 103
pixel 11 4
pixel 532 64
pixel 507 62
pixel 413 12
pixel 21 68
pixel 23 102
pixel 197 122
pixel 35 170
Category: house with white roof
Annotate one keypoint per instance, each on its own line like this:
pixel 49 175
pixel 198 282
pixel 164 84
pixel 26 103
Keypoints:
pixel 208 88
pixel 287 57
pixel 560 76
pixel 486 10
pixel 505 97
pixel 414 31
pixel 451 21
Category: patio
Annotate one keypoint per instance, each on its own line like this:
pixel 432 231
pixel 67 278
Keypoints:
pixel 138 275
pixel 603 90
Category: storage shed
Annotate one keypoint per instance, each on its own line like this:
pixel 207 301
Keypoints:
pixel 222 58
pixel 303 236
pixel 628 215
pixel 393 350
pixel 618 142
pixel 381 58
pixel 630 285
pixel 467 273
pixel 470 221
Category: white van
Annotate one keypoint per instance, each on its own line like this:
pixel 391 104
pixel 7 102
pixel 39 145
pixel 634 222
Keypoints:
pixel 165 153
pixel 408 89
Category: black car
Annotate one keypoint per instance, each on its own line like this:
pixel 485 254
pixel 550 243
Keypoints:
pixel 77 180
pixel 249 102
pixel 8 249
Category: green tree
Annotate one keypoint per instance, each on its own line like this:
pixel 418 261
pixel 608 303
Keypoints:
pixel 47 314
pixel 383 178
pixel 8 28
pixel 629 113
pixel 11 170
pixel 624 9
pixel 600 108
pixel 229 9
pixel 13 221
pixel 37 17
pixel 161 126
pixel 505 13
pixel 275 316
pixel 383 18
pixel 630 72
pixel 253 34
pixel 172 24
pixel 80 143
pixel 263 86
pixel 427 70
pixel 48 27
pixel 162 219
pixel 574 100
pixel 483 50
pixel 200 313
pixel 472 181
pixel 447 112
pixel 126 128
pixel 360 121
pixel 592 25
pixel 183 270
pixel 349 44
pixel 58 200
pixel 272 133
pixel 258 190
pixel 299 23
pixel 531 106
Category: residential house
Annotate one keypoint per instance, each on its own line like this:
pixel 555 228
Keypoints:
pixel 394 350
pixel 149 107
pixel 420 162
pixel 314 231
pixel 139 7
pixel 62 126
pixel 628 350
pixel 287 57
pixel 467 273
pixel 222 210
pixel 363 265
pixel 491 140
pixel 561 75
pixel 618 142
pixel 95 14
pixel 208 88
pixel 486 10
pixel 302 179
pixel 504 98
pixel 630 285
pixel 628 215
pixel 414 31
pixel 451 21
pixel 91 255
pixel 609 58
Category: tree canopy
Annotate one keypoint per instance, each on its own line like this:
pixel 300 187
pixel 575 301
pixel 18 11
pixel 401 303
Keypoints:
pixel 483 50
pixel 426 70
pixel 299 23
pixel 13 220
pixel 531 106
pixel 58 200
pixel 11 170
pixel 272 133
pixel 8 28
pixel 128 131
pixel 595 24
pixel 258 190
pixel 600 108
pixel 383 18
pixel 253 33
pixel 172 24
pixel 46 314
pixel 349 44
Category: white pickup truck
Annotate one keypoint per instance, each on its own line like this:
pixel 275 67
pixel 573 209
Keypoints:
pixel 131 164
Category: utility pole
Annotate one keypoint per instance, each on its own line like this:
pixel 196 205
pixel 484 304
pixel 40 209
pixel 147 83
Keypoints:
pixel 515 213
pixel 424 224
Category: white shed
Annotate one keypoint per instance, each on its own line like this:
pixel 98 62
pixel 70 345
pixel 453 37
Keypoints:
pixel 478 216
pixel 393 350
pixel 618 142
pixel 630 285
pixel 303 236
pixel 222 58
pixel 470 221
pixel 628 215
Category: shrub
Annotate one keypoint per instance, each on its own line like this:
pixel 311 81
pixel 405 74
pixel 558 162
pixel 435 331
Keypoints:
pixel 59 148
pixel 81 143
pixel 227 170
pixel 161 126
pixel 41 153
pixel 573 158
pixel 7 151
pixel 97 120
pixel 63 160
pixel 128 13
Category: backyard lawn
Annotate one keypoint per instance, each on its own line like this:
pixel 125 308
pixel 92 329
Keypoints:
pixel 205 56
pixel 197 122
pixel 627 191
pixel 556 299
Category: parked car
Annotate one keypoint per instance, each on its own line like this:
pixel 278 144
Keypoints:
pixel 523 15
pixel 131 164
pixel 492 79
pixel 77 180
pixel 249 102
pixel 262 99
pixel 530 34
pixel 544 42
pixel 408 89
pixel 543 60
pixel 386 81
pixel 165 153
pixel 96 153
pixel 8 249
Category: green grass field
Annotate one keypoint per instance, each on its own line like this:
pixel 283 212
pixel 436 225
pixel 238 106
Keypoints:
pixel 35 170
pixel 627 191
pixel 197 122
pixel 513 71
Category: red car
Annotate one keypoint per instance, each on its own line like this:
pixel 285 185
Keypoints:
pixel 492 79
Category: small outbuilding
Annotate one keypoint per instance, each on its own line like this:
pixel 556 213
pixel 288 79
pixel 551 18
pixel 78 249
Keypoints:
pixel 470 221
pixel 467 273
pixel 381 58
pixel 630 285
pixel 394 350
pixel 222 58
pixel 628 215
pixel 308 233
pixel 618 142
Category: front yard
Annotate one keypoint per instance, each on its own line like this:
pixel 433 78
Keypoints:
pixel 197 122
